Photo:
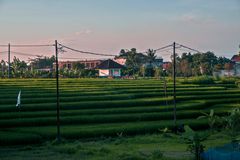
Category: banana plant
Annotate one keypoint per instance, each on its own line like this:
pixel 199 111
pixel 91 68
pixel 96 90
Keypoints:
pixel 233 124
pixel 211 117
pixel 194 141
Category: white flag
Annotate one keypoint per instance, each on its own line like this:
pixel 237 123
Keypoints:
pixel 19 99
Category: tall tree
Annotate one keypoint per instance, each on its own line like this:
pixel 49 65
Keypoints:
pixel 150 59
pixel 42 62
pixel 134 60
pixel 151 56
pixel 18 67
pixel 3 68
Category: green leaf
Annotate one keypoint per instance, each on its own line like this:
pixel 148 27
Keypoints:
pixel 211 112
pixel 189 133
pixel 165 130
pixel 201 117
pixel 205 114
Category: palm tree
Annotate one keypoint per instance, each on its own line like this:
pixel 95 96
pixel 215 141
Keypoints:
pixel 150 58
pixel 18 66
pixel 3 66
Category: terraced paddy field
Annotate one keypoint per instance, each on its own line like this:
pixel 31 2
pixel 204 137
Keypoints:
pixel 93 109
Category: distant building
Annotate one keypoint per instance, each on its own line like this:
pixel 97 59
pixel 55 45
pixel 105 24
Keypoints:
pixel 44 69
pixel 234 68
pixel 224 73
pixel 121 61
pixel 235 58
pixel 89 64
pixel 110 68
pixel 166 65
pixel 236 64
pixel 158 62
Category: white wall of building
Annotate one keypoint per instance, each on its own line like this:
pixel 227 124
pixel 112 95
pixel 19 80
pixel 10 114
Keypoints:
pixel 103 72
pixel 109 72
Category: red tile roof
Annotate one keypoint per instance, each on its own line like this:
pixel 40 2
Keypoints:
pixel 235 58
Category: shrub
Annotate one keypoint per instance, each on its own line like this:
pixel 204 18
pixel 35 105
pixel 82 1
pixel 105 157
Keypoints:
pixel 18 138
pixel 199 80
pixel 157 154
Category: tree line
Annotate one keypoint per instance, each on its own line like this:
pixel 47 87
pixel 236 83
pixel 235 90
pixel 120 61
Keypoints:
pixel 137 65
pixel 187 64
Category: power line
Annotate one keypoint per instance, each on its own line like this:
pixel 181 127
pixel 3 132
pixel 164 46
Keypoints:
pixel 4 52
pixel 156 50
pixel 184 50
pixel 25 54
pixel 85 52
pixel 83 59
pixel 28 45
pixel 195 50
pixel 165 50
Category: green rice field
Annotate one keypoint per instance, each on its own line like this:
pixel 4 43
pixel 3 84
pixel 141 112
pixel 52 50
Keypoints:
pixel 98 108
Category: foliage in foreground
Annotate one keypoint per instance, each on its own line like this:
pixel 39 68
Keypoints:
pixel 168 146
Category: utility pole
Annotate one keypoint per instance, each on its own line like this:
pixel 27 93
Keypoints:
pixel 239 49
pixel 165 85
pixel 57 87
pixel 174 86
pixel 9 67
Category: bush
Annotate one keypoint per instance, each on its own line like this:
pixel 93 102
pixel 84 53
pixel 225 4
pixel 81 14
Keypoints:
pixel 199 80
pixel 157 154
pixel 18 138
pixel 228 80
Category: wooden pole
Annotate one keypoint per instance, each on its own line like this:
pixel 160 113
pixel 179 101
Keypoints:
pixel 9 65
pixel 174 85
pixel 57 92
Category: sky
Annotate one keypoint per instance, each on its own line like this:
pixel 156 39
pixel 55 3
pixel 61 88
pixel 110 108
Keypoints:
pixel 107 26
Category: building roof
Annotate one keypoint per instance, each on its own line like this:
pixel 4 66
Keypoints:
pixel 235 58
pixel 166 65
pixel 109 64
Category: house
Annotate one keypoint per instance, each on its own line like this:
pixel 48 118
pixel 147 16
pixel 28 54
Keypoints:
pixel 121 61
pixel 235 58
pixel 231 69
pixel 109 68
pixel 158 62
pixel 236 64
pixel 166 65
pixel 89 64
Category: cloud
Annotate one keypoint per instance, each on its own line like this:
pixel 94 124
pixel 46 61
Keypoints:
pixel 85 31
pixel 71 37
pixel 192 18
pixel 189 17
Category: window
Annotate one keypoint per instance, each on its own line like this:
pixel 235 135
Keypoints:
pixel 69 65
pixel 87 65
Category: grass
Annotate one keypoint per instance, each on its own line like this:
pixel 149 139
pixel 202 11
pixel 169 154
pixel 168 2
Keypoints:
pixel 140 147
pixel 103 119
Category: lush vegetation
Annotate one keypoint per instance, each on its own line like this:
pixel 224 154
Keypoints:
pixel 137 65
pixel 141 147
pixel 111 108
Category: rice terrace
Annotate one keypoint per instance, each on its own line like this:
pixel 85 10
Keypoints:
pixel 114 110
